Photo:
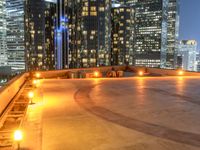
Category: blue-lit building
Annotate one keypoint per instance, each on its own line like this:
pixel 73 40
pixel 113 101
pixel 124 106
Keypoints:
pixel 61 37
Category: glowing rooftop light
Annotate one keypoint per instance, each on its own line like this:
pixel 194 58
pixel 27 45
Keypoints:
pixel 18 135
pixel 180 73
pixel 34 82
pixel 96 74
pixel 30 94
pixel 38 75
pixel 141 73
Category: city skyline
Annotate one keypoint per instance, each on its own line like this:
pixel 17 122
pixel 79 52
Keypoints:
pixel 99 74
pixel 82 34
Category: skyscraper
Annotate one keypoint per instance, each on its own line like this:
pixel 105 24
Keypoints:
pixel 61 37
pixel 15 34
pixel 90 32
pixel 188 51
pixel 39 34
pixel 150 33
pixel 50 25
pixel 122 35
pixel 156 32
pixel 172 33
pixel 3 48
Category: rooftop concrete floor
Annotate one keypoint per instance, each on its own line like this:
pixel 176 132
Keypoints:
pixel 153 113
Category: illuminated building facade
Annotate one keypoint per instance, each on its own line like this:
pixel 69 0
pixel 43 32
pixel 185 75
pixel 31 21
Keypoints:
pixel 61 37
pixel 172 33
pixel 50 17
pixel 198 61
pixel 15 34
pixel 90 32
pixel 3 49
pixel 150 33
pixel 188 51
pixel 156 32
pixel 39 34
pixel 122 35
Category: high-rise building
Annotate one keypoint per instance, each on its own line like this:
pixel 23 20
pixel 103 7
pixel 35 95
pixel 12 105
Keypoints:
pixel 122 49
pixel 188 51
pixel 3 49
pixel 172 33
pixel 61 37
pixel 89 32
pixel 50 25
pixel 156 32
pixel 39 33
pixel 198 61
pixel 15 34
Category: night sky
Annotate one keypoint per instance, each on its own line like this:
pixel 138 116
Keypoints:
pixel 190 20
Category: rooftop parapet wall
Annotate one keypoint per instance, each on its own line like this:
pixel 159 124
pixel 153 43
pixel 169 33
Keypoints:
pixel 8 92
pixel 62 73
pixel 167 72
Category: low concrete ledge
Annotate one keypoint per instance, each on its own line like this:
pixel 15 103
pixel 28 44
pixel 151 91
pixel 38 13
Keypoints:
pixel 8 92
pixel 135 69
pixel 64 73
pixel 168 72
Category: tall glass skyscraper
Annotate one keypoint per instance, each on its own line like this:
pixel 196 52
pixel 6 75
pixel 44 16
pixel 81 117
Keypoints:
pixel 188 52
pixel 122 35
pixel 172 33
pixel 156 32
pixel 3 49
pixel 61 37
pixel 39 34
pixel 90 32
pixel 15 34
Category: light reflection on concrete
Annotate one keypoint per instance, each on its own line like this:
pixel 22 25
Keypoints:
pixel 126 113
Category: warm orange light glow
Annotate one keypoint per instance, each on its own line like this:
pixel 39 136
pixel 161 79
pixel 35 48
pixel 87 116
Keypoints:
pixel 180 73
pixel 18 135
pixel 34 82
pixel 38 75
pixel 141 73
pixel 30 94
pixel 96 74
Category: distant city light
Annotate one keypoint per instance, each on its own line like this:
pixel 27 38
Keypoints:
pixel 51 1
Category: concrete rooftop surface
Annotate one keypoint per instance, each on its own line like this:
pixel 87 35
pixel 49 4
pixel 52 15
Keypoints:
pixel 136 113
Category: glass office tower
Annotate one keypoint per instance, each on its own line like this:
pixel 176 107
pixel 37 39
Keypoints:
pixel 3 49
pixel 172 33
pixel 150 33
pixel 90 32
pixel 188 52
pixel 156 32
pixel 122 35
pixel 39 34
pixel 15 34
pixel 50 25
pixel 61 37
